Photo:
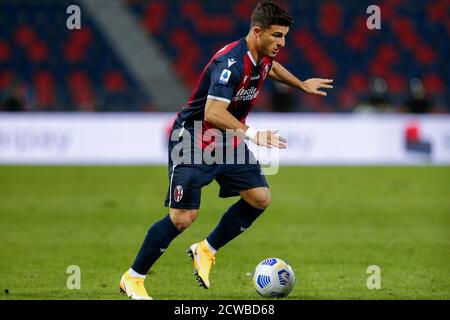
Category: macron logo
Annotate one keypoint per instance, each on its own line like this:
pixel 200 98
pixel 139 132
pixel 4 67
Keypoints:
pixel 231 62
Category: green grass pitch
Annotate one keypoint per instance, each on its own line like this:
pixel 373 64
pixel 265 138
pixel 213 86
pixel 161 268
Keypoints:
pixel 329 223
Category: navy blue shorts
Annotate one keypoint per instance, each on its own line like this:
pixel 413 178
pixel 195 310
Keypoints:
pixel 187 180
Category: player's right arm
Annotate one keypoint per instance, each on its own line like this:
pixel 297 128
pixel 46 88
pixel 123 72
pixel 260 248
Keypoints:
pixel 217 115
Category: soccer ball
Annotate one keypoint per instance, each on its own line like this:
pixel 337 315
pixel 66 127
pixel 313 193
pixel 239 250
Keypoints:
pixel 273 278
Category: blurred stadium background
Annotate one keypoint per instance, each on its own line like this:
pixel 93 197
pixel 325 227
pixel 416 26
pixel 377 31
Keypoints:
pixel 107 93
pixel 404 67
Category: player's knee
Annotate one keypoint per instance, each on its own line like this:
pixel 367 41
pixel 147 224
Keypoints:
pixel 259 198
pixel 182 219
pixel 262 201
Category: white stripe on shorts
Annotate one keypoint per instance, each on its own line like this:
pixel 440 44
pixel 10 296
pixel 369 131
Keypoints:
pixel 170 187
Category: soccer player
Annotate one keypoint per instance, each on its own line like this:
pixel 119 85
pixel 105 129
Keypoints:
pixel 224 95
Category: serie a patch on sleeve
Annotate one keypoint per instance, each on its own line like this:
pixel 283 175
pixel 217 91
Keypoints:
pixel 225 76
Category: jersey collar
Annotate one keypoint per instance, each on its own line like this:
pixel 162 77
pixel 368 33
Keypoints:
pixel 251 58
pixel 250 54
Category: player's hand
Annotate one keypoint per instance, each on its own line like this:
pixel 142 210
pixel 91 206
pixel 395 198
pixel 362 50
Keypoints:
pixel 269 139
pixel 313 85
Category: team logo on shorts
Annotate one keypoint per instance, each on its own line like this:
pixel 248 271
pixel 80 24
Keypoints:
pixel 178 193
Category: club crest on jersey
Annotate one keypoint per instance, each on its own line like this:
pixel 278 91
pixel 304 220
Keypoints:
pixel 178 193
pixel 225 76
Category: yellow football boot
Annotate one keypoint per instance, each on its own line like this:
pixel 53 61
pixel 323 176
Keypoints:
pixel 203 260
pixel 133 287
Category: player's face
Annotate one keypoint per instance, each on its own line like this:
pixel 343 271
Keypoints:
pixel 271 40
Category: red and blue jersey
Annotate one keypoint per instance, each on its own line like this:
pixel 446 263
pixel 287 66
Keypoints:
pixel 233 76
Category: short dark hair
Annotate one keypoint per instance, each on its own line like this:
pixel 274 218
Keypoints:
pixel 268 13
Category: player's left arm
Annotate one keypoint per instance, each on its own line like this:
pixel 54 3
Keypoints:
pixel 281 74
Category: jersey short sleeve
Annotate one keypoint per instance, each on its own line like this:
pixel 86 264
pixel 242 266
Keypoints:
pixel 226 75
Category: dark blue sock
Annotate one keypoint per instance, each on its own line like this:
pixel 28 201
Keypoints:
pixel 155 243
pixel 237 218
